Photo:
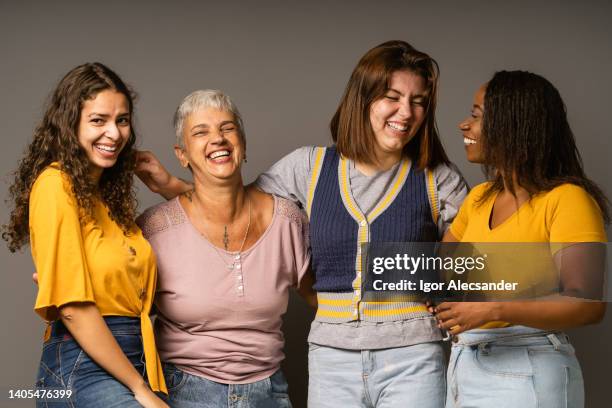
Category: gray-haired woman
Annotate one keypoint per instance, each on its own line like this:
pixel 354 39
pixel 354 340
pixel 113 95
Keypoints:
pixel 227 256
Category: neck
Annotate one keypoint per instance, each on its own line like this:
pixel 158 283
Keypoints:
pixel 220 203
pixel 521 193
pixel 382 162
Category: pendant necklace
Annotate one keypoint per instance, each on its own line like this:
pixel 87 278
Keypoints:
pixel 237 258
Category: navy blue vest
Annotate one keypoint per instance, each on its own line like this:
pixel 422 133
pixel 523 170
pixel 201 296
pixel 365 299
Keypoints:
pixel 334 232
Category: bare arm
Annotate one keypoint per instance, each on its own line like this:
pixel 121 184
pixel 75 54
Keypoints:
pixel 306 291
pixel 89 329
pixel 580 269
pixel 546 315
pixel 449 237
pixel 157 178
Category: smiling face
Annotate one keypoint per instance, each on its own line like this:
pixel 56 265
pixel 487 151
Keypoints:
pixel 471 128
pixel 213 145
pixel 397 116
pixel 104 129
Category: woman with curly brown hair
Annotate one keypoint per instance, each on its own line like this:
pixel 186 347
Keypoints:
pixel 74 202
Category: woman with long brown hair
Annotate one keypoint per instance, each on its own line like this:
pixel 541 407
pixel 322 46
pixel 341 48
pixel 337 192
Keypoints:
pixel 74 202
pixel 386 178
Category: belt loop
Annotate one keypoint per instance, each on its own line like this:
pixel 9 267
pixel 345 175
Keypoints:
pixel 484 348
pixel 554 340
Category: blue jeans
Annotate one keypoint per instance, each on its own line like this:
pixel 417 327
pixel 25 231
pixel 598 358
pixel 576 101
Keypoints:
pixel 191 391
pixel 66 366
pixel 411 376
pixel 514 367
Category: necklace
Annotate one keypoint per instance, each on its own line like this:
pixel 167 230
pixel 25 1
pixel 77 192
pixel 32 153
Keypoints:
pixel 237 262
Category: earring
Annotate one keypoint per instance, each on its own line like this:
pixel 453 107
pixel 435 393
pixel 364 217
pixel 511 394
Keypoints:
pixel 245 158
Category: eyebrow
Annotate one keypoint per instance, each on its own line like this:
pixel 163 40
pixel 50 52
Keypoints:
pixel 423 95
pixel 201 125
pixel 106 115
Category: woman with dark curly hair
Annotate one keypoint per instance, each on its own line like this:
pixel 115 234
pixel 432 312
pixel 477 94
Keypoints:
pixel 74 202
pixel 515 354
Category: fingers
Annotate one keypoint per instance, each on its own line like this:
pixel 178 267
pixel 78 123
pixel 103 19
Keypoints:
pixel 449 324
pixel 144 155
pixel 445 315
pixel 145 167
pixel 444 306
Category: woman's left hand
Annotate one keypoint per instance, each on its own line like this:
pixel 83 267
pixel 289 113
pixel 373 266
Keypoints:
pixel 457 317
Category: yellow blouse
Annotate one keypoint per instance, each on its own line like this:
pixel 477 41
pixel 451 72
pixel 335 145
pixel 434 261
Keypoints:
pixel 565 214
pixel 94 263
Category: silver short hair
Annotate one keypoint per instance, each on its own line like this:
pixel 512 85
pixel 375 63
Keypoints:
pixel 202 99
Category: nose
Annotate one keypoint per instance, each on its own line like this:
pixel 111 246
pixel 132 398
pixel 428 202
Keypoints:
pixel 112 132
pixel 405 110
pixel 218 138
pixel 464 125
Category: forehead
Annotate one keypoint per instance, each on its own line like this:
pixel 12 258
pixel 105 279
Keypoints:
pixel 106 101
pixel 208 116
pixel 407 82
pixel 480 95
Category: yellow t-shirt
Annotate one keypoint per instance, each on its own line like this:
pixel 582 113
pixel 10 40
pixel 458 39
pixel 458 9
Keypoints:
pixel 567 213
pixel 93 263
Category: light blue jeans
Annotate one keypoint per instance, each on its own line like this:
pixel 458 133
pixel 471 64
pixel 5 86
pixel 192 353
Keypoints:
pixel 411 376
pixel 64 365
pixel 514 367
pixel 190 391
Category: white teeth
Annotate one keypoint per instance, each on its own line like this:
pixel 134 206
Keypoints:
pixel 397 126
pixel 220 153
pixel 106 148
pixel 468 141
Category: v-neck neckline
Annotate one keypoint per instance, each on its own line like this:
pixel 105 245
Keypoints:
pixel 346 191
pixel 507 219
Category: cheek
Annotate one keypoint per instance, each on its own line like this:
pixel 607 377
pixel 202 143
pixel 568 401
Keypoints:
pixel 378 113
pixel 125 134
pixel 419 117
pixel 83 135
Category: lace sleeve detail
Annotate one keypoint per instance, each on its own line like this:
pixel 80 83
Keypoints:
pixel 159 218
pixel 293 213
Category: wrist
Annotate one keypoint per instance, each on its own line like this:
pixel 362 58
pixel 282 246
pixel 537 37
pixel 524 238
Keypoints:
pixel 172 188
pixel 496 311
pixel 138 386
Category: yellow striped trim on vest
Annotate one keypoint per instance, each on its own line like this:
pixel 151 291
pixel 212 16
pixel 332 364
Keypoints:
pixel 314 177
pixel 364 221
pixel 341 308
pixel 432 193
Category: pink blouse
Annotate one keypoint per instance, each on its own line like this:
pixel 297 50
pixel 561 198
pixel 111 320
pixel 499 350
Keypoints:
pixel 219 315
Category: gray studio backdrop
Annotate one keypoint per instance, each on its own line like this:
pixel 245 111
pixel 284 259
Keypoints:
pixel 286 63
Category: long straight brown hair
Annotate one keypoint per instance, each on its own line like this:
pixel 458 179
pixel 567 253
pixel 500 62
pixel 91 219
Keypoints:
pixel 350 127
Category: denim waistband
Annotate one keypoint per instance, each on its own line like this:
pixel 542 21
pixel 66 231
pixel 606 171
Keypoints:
pixel 513 335
pixel 116 324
